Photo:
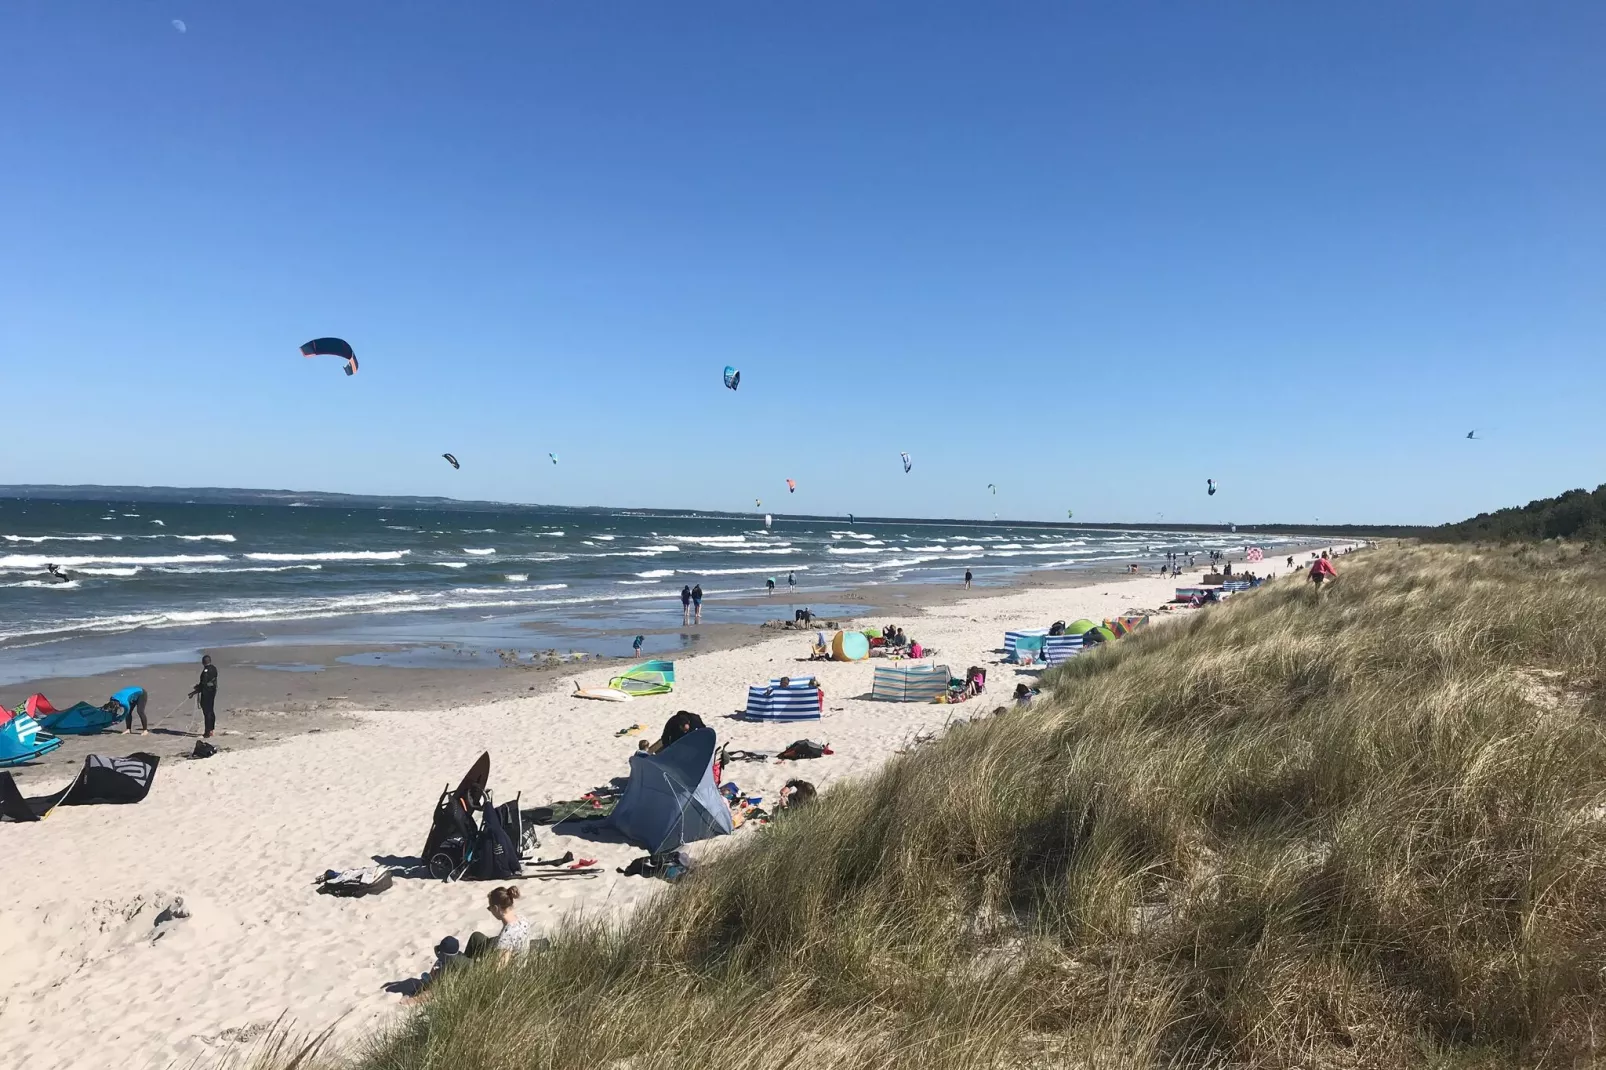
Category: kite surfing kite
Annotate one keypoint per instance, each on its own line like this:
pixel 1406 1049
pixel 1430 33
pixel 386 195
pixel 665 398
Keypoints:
pixel 757 504
pixel 332 347
pixel 907 463
pixel 791 487
pixel 554 457
pixel 451 460
pixel 1210 486
pixel 994 488
pixel 1069 514
pixel 733 378
pixel 1473 433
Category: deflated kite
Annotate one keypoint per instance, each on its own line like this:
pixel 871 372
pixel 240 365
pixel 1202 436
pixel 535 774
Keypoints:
pixel 332 347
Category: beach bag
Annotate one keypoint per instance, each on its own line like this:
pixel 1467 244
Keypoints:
pixel 203 749
pixel 804 748
pixel 670 866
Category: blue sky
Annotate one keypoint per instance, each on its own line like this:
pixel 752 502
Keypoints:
pixel 1091 253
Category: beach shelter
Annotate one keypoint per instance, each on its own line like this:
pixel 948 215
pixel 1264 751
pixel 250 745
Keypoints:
pixel 1080 627
pixel 99 780
pixel 1126 625
pixel 1025 640
pixel 915 682
pixel 1058 648
pixel 800 700
pixel 648 678
pixel 671 798
pixel 849 646
pixel 21 741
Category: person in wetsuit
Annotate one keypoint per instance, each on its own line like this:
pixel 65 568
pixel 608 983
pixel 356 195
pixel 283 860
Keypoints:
pixel 205 692
pixel 128 701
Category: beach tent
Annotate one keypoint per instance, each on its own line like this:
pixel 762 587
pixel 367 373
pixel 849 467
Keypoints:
pixel 648 678
pixel 21 741
pixel 1080 627
pixel 1058 648
pixel 800 700
pixel 909 683
pixel 671 798
pixel 1013 641
pixel 849 646
pixel 100 780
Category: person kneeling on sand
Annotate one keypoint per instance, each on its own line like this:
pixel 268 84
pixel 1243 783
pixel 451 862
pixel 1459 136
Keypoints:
pixel 680 724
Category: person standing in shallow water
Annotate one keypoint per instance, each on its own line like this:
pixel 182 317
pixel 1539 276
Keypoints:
pixel 685 605
pixel 967 579
pixel 205 692
pixel 697 604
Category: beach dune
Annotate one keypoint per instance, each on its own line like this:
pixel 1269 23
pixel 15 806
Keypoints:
pixel 91 979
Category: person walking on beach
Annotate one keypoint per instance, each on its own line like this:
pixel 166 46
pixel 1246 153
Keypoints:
pixel 635 647
pixel 685 605
pixel 128 701
pixel 205 692
pixel 967 579
pixel 697 604
pixel 791 582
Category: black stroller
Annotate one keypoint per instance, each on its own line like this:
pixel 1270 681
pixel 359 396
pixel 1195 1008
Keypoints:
pixel 494 847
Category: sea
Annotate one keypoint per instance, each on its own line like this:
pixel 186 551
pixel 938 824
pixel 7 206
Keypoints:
pixel 151 582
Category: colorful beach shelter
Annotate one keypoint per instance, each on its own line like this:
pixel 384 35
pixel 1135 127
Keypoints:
pixel 849 646
pixel 99 780
pixel 648 678
pixel 21 741
pixel 671 798
pixel 799 699
pixel 1058 648
pixel 915 682
pixel 1027 641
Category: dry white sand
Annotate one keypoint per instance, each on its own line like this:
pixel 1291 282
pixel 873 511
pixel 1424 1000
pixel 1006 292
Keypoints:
pixel 87 979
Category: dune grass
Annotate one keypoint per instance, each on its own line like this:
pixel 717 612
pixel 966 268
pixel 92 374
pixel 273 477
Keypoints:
pixel 1360 829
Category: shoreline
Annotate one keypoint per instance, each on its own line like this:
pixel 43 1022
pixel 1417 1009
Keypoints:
pixel 240 836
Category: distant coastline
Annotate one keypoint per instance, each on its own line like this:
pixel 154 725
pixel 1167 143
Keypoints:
pixel 90 492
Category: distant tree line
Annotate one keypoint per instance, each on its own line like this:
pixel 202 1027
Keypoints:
pixel 1577 514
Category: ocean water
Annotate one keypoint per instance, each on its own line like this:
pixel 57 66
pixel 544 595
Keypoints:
pixel 148 578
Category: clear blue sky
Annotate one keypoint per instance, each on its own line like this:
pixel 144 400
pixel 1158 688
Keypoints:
pixel 1092 253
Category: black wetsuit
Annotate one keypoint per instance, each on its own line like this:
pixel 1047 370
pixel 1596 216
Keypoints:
pixel 206 692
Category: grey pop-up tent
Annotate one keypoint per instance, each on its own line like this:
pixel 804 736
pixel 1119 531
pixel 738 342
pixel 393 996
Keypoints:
pixel 672 798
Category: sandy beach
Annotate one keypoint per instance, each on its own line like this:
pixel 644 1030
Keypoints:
pixel 91 980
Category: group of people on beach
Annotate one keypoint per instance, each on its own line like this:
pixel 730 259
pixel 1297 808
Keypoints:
pixel 126 702
pixel 691 605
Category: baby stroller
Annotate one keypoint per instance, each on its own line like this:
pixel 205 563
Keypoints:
pixel 492 848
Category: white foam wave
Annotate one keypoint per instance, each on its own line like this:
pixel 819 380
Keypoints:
pixel 634 583
pixel 68 586
pixel 516 577
pixel 480 552
pixel 335 555
pixel 450 564
pixel 40 561
pixel 853 549
pixel 656 573
pixel 745 571
pixel 505 590
pixel 714 540
pixel 203 538
pixel 247 568
pixel 127 571
pixel 62 538
pixel 160 523
pixel 605 538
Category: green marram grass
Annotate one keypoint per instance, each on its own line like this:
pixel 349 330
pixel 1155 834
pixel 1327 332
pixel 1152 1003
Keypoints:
pixel 1359 828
